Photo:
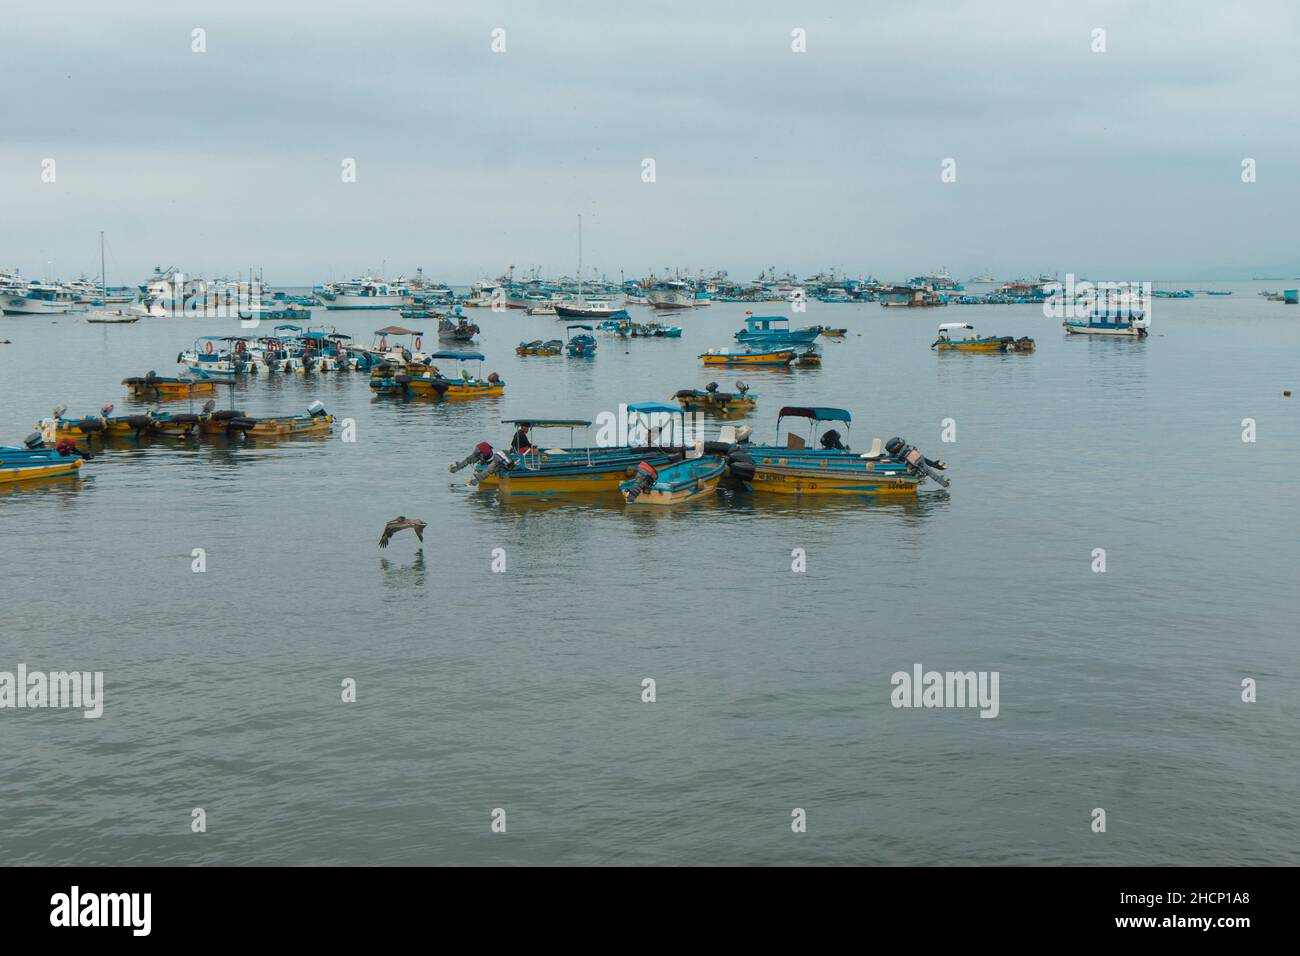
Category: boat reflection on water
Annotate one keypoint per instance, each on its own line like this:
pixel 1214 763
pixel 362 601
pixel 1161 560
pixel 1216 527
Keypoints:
pixel 65 486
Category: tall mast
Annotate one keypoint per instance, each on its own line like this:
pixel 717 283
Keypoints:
pixel 579 257
pixel 103 276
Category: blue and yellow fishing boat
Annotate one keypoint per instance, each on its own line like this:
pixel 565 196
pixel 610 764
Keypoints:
pixel 772 357
pixel 582 345
pixel 317 421
pixel 1123 322
pixel 532 470
pixel 34 462
pixel 155 387
pixel 710 401
pixel 103 425
pixel 1004 343
pixel 676 483
pixel 831 468
pixel 770 331
pixel 538 347
pixel 428 380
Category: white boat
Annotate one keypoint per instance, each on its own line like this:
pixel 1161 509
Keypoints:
pixel 36 298
pixel 168 292
pixel 366 293
pixel 1123 321
pixel 671 295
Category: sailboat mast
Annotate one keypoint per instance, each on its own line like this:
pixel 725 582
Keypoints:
pixel 579 256
pixel 103 276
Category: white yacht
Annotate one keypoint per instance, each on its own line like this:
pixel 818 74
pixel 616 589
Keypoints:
pixel 671 295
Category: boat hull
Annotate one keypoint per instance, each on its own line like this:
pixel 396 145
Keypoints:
pixel 754 358
pixel 14 472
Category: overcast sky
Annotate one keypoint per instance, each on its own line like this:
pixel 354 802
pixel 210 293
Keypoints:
pixel 1125 164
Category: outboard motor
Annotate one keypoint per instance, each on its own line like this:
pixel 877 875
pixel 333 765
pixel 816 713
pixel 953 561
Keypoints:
pixel 33 441
pixel 494 378
pixel 106 410
pixel 316 409
pixel 711 387
pixel 742 388
pixel 831 441
pixel 481 454
pixel 916 462
pixel 645 477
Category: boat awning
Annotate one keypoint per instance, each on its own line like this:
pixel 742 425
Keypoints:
pixel 395 330
pixel 570 328
pixel 816 414
pixel 949 326
pixel 547 422
pixel 649 408
pixel 460 356
pixel 292 328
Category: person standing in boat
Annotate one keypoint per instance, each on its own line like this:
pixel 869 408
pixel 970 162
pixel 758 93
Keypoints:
pixel 521 441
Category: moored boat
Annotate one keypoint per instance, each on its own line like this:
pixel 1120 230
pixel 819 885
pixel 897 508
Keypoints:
pixel 582 345
pixel 783 356
pixel 1123 322
pixel 1004 343
pixel 35 463
pixel 154 386
pixel 676 483
pixel 768 331
pixel 711 401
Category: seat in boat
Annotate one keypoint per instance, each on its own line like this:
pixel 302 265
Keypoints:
pixel 727 433
pixel 794 441
pixel 875 452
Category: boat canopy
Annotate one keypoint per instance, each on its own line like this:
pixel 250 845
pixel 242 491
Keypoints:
pixel 395 330
pixel 949 326
pixel 460 356
pixel 547 422
pixel 816 414
pixel 765 321
pixel 649 408
pixel 570 328
pixel 294 328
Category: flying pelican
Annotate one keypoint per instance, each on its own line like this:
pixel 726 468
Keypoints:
pixel 400 523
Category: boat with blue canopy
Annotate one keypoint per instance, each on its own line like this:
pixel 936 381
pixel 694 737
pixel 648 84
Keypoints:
pixel 582 345
pixel 767 331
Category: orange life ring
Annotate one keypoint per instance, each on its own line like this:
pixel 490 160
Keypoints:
pixel 240 346
pixel 207 347
pixel 418 342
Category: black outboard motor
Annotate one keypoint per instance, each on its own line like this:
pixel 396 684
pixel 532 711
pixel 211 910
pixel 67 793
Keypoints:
pixel 33 441
pixel 481 455
pixel 831 441
pixel 916 462
pixel 711 387
pixel 645 478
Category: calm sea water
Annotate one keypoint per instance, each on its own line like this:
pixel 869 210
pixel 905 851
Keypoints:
pixel 522 690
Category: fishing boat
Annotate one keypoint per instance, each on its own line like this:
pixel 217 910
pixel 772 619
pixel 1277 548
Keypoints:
pixel 1004 343
pixel 364 293
pixel 808 358
pixel 582 345
pixel 538 347
pixel 831 333
pixel 710 401
pixel 768 331
pixel 429 380
pixel 779 357
pixel 563 471
pixel 324 350
pixel 909 297
pixel 671 296
pixel 676 483
pixel 154 386
pixel 830 467
pixel 317 421
pixel 32 464
pixel 1124 322
pixel 112 318
pixel 57 428
pixel 456 328
pixel 224 421
pixel 221 357
pixel 395 353
pixel 36 298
